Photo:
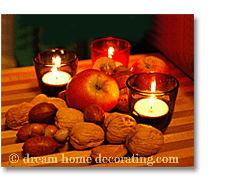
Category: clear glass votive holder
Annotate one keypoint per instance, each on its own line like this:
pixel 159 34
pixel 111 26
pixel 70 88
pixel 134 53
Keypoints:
pixel 152 98
pixel 54 69
pixel 114 48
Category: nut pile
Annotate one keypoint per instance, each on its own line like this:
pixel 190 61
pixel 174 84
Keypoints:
pixel 46 124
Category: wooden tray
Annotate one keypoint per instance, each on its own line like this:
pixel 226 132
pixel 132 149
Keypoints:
pixel 20 85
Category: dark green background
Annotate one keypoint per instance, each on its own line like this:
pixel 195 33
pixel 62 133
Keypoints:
pixel 35 33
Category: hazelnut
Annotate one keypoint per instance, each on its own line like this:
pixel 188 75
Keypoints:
pixel 61 135
pixel 43 113
pixel 121 78
pixel 36 129
pixel 123 101
pixel 94 113
pixel 62 95
pixel 50 130
pixel 121 68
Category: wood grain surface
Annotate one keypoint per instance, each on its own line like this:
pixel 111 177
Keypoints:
pixel 20 85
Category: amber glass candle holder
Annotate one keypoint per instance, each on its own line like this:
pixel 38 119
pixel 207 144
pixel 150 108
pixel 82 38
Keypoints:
pixel 115 48
pixel 54 69
pixel 152 98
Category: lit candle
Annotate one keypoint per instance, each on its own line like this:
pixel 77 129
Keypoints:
pixel 60 79
pixel 151 110
pixel 55 81
pixel 159 108
pixel 151 107
pixel 110 52
pixel 110 55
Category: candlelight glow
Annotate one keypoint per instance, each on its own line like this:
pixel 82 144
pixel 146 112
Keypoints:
pixel 57 63
pixel 153 89
pixel 110 52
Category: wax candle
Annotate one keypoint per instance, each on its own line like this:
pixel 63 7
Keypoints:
pixel 114 48
pixel 157 115
pixel 159 108
pixel 61 79
pixel 55 81
pixel 151 110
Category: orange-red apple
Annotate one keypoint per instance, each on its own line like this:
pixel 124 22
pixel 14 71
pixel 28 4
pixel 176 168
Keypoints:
pixel 150 64
pixel 92 87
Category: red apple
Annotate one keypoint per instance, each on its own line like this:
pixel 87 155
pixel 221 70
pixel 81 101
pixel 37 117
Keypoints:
pixel 92 87
pixel 150 64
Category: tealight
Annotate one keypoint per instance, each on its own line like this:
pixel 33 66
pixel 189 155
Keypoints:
pixel 54 69
pixel 152 100
pixel 114 48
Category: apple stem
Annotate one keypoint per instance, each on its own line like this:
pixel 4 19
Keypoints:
pixel 98 87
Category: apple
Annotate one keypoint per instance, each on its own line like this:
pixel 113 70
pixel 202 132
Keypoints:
pixel 143 81
pixel 92 87
pixel 150 64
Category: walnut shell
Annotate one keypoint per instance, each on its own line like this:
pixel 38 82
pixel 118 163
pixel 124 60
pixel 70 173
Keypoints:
pixel 68 117
pixel 58 102
pixel 118 126
pixel 40 98
pixel 86 135
pixel 17 116
pixel 144 140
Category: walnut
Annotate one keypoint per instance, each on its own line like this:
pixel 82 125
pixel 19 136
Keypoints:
pixel 86 135
pixel 118 126
pixel 40 98
pixel 144 140
pixel 17 116
pixel 67 117
pixel 58 102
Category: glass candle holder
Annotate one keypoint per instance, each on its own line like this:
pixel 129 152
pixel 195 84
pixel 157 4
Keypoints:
pixel 152 98
pixel 114 48
pixel 54 69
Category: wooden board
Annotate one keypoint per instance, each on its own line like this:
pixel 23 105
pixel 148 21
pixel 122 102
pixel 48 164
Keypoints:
pixel 20 84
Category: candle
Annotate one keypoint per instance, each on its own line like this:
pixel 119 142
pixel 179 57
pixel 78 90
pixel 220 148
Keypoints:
pixel 159 108
pixel 110 55
pixel 152 98
pixel 151 110
pixel 55 81
pixel 60 79
pixel 113 48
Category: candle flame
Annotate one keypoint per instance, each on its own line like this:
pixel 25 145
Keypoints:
pixel 110 52
pixel 153 89
pixel 57 63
